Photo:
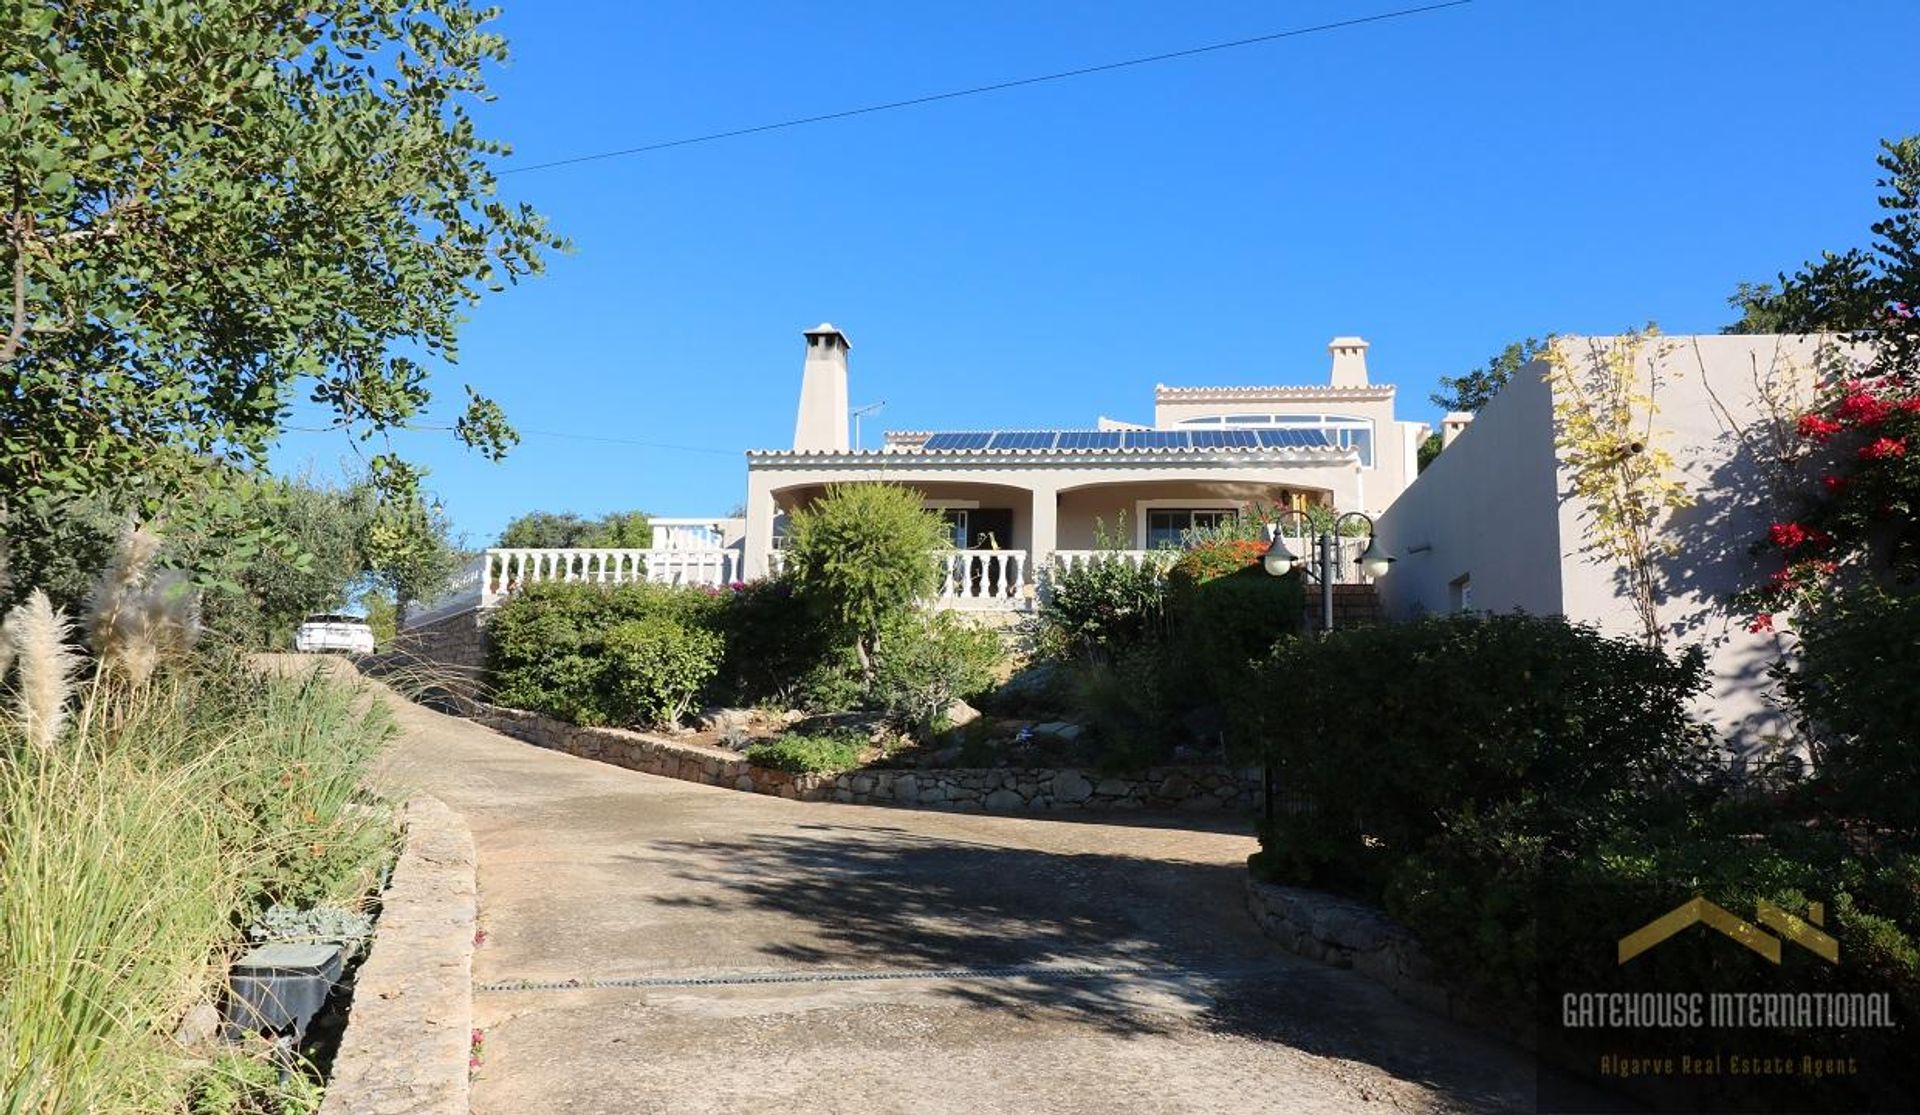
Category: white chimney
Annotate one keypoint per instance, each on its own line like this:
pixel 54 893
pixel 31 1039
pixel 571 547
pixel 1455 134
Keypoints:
pixel 1453 425
pixel 822 422
pixel 1349 361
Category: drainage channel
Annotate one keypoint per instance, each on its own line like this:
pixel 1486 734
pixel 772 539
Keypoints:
pixel 1056 973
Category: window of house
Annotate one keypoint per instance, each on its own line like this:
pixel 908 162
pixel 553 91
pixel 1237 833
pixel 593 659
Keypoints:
pixel 1346 431
pixel 1167 527
pixel 1460 593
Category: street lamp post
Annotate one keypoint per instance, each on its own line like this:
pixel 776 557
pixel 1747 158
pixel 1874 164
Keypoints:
pixel 1278 561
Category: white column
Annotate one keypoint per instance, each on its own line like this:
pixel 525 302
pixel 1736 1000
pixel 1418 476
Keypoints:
pixel 761 509
pixel 1044 524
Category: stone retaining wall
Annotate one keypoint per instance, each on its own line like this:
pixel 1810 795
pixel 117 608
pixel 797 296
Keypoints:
pixel 1349 934
pixel 1184 789
pixel 409 1030
pixel 450 651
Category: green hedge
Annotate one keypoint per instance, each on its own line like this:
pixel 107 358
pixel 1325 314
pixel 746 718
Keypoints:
pixel 605 654
pixel 1520 792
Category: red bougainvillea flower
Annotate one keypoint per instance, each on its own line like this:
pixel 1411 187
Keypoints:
pixel 1861 409
pixel 1827 566
pixel 1781 580
pixel 1818 427
pixel 1884 448
pixel 1834 484
pixel 1761 623
pixel 1910 406
pixel 1787 535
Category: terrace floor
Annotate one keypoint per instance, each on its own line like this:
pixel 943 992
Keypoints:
pixel 1010 964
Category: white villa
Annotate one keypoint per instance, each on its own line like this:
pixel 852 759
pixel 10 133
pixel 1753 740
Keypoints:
pixel 1489 526
pixel 1022 499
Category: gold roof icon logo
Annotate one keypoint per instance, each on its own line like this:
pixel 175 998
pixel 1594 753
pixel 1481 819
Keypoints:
pixel 1805 932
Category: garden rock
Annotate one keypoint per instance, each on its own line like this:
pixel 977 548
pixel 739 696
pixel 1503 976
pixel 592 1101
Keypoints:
pixel 1060 729
pixel 960 714
pixel 1071 785
pixel 1005 799
pixel 726 720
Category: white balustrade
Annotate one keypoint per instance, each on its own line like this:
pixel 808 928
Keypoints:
pixel 1067 561
pixel 511 569
pixel 982 578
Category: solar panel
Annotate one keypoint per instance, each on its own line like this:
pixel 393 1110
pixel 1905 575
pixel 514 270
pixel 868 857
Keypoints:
pixel 958 441
pixel 1225 439
pixel 1025 439
pixel 1156 439
pixel 1295 439
pixel 1089 439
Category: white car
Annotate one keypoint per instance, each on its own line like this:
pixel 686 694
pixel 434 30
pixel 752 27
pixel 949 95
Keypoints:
pixel 334 632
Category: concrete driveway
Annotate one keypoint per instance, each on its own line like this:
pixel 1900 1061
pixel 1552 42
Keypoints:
pixel 657 946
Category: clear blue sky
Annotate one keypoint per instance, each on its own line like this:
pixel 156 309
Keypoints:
pixel 1440 184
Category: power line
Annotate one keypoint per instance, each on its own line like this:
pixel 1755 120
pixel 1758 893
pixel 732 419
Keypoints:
pixel 994 88
pixel 417 426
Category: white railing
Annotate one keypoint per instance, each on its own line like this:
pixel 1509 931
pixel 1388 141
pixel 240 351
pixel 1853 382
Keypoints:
pixel 1067 561
pixel 982 578
pixel 511 569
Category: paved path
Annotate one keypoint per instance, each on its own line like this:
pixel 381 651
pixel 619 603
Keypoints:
pixel 719 918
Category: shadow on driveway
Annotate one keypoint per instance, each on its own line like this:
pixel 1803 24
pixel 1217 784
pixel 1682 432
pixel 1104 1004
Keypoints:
pixel 873 896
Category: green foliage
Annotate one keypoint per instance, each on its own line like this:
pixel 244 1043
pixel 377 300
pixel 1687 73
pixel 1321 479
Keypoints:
pixel 780 652
pixel 215 205
pixel 1833 294
pixel 1472 391
pixel 620 530
pixel 863 553
pixel 808 754
pixel 1223 624
pixel 655 667
pixel 1129 705
pixel 165 818
pixel 605 654
pixel 928 660
pixel 1102 607
pixel 1435 720
pixel 242 1084
pixel 1852 684
pixel 1429 449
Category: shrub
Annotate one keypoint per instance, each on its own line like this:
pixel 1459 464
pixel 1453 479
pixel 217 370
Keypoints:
pixel 655 667
pixel 1127 705
pixel 550 648
pixel 863 554
pixel 1102 607
pixel 779 651
pixel 808 754
pixel 1426 722
pixel 1227 612
pixel 1853 687
pixel 926 661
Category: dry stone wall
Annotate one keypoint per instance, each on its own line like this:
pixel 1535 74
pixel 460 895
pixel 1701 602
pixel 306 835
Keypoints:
pixel 1209 789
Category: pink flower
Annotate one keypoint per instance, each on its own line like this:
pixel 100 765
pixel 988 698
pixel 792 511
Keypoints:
pixel 1884 448
pixel 1761 623
pixel 1787 535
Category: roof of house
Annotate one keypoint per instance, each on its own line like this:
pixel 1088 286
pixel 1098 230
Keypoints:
pixel 1164 394
pixel 1256 445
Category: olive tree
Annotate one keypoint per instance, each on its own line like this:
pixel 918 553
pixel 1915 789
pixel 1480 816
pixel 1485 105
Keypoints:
pixel 211 207
pixel 865 553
